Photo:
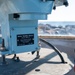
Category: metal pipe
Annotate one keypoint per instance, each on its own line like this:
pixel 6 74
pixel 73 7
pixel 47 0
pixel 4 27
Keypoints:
pixel 3 60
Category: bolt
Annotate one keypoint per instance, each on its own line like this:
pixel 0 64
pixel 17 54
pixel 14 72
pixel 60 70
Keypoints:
pixel 12 29
pixel 36 28
pixel 36 48
pixel 10 36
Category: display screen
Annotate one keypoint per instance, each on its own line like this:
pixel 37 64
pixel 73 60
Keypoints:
pixel 25 39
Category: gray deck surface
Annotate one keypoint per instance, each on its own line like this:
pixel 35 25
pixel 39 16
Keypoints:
pixel 48 64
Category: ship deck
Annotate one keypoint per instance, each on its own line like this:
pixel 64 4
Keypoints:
pixel 49 62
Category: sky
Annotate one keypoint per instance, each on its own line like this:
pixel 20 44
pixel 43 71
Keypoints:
pixel 63 13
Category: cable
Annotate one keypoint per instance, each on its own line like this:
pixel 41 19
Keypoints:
pixel 54 48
